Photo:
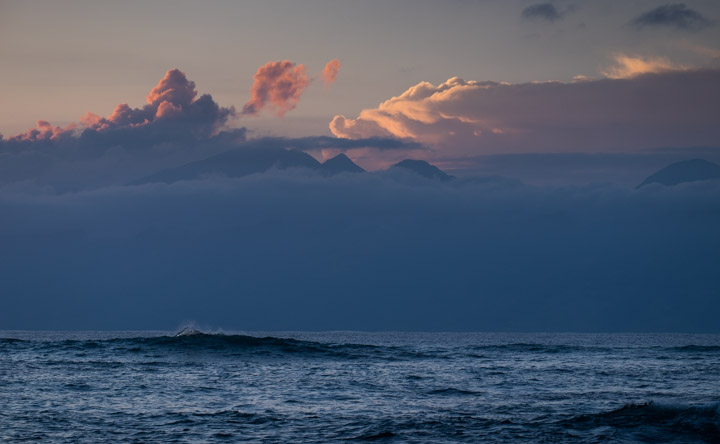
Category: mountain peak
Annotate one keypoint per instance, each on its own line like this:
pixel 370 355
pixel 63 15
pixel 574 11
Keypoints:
pixel 684 171
pixel 424 169
pixel 235 163
pixel 340 164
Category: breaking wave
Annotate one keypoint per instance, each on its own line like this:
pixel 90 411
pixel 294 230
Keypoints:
pixel 195 341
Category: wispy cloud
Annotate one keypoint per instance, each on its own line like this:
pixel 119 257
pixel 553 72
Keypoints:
pixel 542 11
pixel 626 66
pixel 675 15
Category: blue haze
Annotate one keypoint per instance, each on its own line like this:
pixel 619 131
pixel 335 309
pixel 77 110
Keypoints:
pixel 293 250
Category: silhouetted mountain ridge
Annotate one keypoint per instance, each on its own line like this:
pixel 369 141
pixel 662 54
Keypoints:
pixel 424 169
pixel 245 161
pixel 340 164
pixel 684 171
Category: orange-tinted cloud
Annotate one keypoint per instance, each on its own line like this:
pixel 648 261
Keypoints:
pixel 177 125
pixel 44 131
pixel 174 88
pixel 458 117
pixel 330 72
pixel 626 66
pixel 278 83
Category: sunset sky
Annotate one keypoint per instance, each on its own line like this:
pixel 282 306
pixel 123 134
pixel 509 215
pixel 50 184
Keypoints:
pixel 62 60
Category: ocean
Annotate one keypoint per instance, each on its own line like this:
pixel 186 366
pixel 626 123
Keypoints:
pixel 324 387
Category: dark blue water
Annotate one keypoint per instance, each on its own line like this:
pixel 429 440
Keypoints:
pixel 333 387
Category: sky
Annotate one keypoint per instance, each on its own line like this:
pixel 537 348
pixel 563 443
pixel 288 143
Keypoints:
pixel 548 114
pixel 63 60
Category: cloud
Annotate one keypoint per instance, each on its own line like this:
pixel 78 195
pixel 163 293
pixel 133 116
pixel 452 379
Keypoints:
pixel 317 143
pixel 99 158
pixel 174 88
pixel 675 15
pixel 673 108
pixel 367 251
pixel 562 169
pixel 626 66
pixel 330 72
pixel 172 104
pixel 43 131
pixel 543 11
pixel 279 84
pixel 176 125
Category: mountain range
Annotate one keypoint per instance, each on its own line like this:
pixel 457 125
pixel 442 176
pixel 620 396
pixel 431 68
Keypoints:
pixel 246 161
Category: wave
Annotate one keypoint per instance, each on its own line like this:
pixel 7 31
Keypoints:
pixel 194 341
pixel 374 436
pixel 4 341
pixel 698 348
pixel 11 343
pixel 451 391
pixel 652 420
pixel 564 348
pixel 539 348
pixel 199 341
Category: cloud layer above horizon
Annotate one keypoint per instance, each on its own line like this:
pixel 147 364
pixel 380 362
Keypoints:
pixel 175 127
pixel 173 110
pixel 650 105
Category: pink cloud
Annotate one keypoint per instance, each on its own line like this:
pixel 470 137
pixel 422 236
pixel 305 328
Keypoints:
pixel 278 83
pixel 330 72
pixel 167 109
pixel 174 98
pixel 44 131
pixel 174 88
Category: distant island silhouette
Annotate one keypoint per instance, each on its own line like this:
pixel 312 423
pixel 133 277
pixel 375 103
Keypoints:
pixel 424 169
pixel 684 171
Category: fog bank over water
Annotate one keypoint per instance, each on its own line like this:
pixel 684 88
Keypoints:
pixel 292 250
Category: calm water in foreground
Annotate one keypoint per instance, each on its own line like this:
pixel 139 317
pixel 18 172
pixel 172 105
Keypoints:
pixel 332 387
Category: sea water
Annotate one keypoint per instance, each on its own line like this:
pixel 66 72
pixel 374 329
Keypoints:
pixel 337 386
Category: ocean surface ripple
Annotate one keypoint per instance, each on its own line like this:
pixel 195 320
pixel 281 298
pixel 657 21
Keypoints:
pixel 346 386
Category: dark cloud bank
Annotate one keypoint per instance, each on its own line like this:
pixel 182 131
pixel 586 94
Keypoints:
pixel 296 249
